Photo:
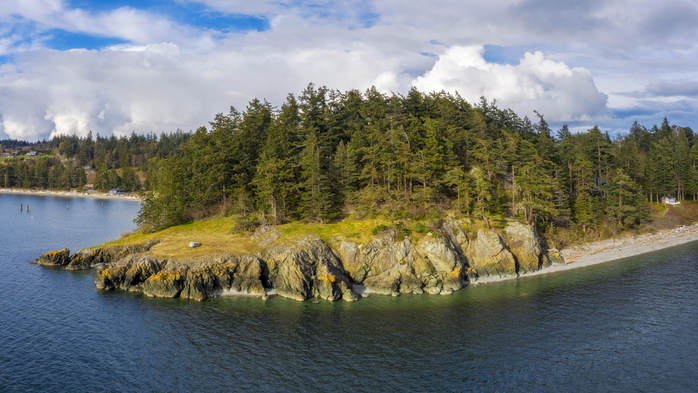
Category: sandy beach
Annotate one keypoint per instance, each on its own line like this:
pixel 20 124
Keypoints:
pixel 100 195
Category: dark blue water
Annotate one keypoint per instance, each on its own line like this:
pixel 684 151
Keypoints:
pixel 622 326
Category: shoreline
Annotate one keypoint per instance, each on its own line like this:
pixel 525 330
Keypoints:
pixel 97 195
pixel 611 250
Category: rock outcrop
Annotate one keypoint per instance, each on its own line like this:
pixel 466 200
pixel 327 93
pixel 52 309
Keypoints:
pixel 524 244
pixel 392 263
pixel 489 256
pixel 54 258
pixel 196 279
pixel 128 273
pixel 88 257
pixel 307 268
pixel 555 257
pixel 390 266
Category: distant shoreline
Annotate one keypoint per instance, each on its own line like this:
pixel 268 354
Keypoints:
pixel 134 198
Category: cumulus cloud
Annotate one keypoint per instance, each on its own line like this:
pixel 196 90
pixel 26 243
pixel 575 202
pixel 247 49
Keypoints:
pixel 170 75
pixel 552 88
pixel 136 26
pixel 160 87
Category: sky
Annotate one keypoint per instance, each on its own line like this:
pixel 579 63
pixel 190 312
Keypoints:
pixel 115 67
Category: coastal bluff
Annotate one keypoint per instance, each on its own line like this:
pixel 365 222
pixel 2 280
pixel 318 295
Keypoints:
pixel 452 254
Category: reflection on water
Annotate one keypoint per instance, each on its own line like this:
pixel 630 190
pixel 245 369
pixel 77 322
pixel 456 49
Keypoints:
pixel 624 326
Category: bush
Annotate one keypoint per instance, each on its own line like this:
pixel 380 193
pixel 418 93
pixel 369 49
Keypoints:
pixel 402 233
pixel 421 228
pixel 379 228
pixel 244 223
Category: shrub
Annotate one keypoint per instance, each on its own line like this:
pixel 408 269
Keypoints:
pixel 379 228
pixel 421 228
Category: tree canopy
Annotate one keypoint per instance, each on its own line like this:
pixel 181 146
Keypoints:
pixel 325 154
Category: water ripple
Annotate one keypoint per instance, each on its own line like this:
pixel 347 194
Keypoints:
pixel 622 326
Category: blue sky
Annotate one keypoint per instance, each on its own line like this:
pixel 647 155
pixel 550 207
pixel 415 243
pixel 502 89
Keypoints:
pixel 158 65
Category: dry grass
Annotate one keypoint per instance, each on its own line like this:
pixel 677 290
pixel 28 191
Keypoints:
pixel 670 216
pixel 214 235
pixel 662 217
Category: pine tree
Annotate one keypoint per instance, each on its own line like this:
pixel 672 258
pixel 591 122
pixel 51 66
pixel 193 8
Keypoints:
pixel 545 142
pixel 315 203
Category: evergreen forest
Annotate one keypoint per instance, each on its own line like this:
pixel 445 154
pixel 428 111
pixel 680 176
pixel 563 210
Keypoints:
pixel 324 155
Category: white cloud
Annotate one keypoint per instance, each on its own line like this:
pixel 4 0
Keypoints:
pixel 161 87
pixel 559 92
pixel 127 23
pixel 171 75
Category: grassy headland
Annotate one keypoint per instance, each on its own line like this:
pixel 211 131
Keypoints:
pixel 219 235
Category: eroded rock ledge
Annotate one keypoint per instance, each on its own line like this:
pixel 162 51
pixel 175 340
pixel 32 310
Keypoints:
pixel 444 261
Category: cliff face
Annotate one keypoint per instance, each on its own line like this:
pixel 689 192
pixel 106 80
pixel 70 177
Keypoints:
pixel 307 268
pixel 392 266
pixel 191 279
pixel 442 262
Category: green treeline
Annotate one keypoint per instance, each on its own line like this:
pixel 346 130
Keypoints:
pixel 114 162
pixel 324 155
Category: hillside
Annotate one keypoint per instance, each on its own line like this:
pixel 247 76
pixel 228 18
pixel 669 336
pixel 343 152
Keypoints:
pixel 665 217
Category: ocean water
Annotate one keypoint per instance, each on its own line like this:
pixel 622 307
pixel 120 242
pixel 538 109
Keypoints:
pixel 624 326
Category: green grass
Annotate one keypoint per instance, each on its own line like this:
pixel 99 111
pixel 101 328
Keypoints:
pixel 357 230
pixel 216 236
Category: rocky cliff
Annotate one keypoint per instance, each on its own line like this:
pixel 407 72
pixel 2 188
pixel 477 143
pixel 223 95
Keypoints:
pixel 54 258
pixel 450 256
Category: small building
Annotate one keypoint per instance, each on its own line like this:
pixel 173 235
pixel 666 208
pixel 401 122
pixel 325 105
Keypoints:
pixel 669 200
pixel 598 188
pixel 33 153
pixel 116 191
